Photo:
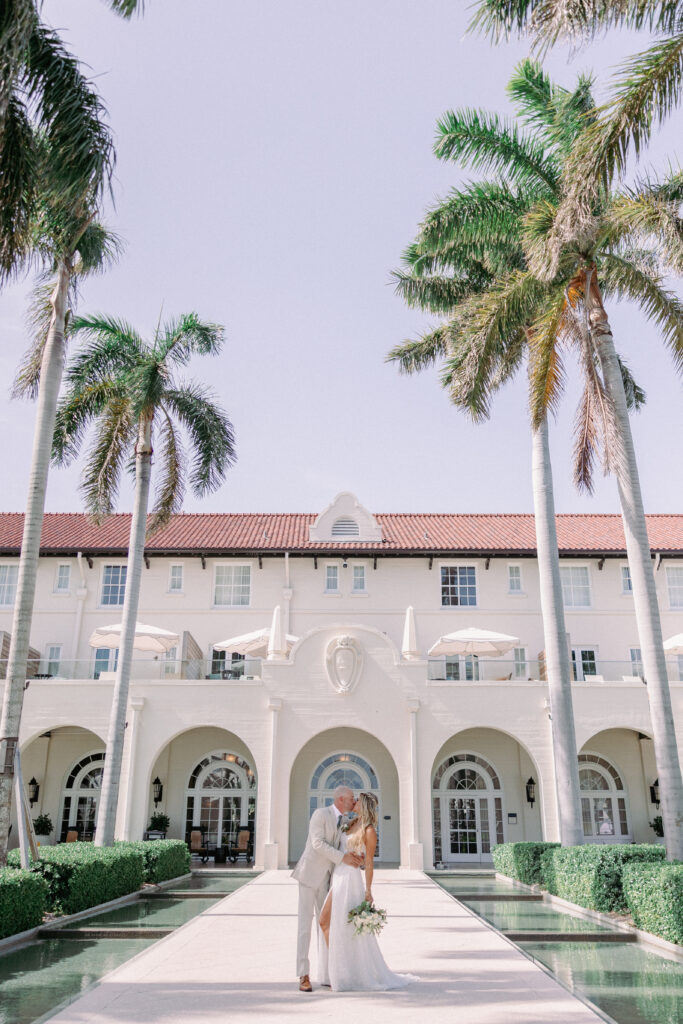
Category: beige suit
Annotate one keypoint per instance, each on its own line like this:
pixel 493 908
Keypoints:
pixel 313 874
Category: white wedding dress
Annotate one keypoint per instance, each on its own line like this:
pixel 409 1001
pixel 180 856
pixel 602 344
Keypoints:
pixel 353 963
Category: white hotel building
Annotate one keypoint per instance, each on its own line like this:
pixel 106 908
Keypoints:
pixel 450 746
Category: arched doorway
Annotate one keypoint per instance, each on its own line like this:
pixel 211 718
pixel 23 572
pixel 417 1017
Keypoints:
pixel 344 757
pixel 221 797
pixel 467 809
pixel 603 801
pixel 81 796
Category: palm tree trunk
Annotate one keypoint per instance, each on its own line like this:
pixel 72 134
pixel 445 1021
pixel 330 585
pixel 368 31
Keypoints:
pixel 643 585
pixel 558 668
pixel 52 368
pixel 109 797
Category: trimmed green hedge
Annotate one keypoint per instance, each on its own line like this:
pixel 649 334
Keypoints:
pixel 591 875
pixel 162 858
pixel 80 875
pixel 23 900
pixel 654 897
pixel 522 861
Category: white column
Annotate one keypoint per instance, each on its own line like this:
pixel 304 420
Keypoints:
pixel 270 849
pixel 415 848
pixel 127 800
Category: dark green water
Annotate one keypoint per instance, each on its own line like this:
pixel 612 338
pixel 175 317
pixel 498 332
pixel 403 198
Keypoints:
pixel 49 973
pixel 532 917
pixel 229 882
pixel 156 913
pixel 629 983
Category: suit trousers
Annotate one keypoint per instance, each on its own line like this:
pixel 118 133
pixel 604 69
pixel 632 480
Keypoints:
pixel 310 900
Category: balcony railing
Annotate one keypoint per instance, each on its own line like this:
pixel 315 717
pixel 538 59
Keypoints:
pixel 474 669
pixel 148 668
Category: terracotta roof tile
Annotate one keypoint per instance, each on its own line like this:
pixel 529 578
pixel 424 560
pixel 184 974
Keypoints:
pixel 410 533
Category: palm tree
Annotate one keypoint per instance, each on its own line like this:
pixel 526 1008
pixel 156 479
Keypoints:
pixel 43 93
pixel 126 387
pixel 455 267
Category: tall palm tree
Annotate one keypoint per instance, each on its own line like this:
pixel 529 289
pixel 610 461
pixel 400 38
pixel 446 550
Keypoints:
pixel 43 92
pixel 127 389
pixel 455 267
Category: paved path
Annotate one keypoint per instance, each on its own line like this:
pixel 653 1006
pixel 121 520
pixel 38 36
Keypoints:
pixel 236 962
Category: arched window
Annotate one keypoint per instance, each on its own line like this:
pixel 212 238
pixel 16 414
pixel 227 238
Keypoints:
pixel 603 800
pixel 80 797
pixel 345 526
pixel 344 769
pixel 221 798
pixel 466 791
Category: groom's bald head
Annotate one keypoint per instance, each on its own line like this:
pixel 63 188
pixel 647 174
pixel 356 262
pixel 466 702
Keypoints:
pixel 343 799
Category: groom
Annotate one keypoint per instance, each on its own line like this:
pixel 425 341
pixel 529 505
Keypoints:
pixel 314 870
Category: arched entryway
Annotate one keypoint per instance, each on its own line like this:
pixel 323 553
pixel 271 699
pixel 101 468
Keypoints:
pixel 479 796
pixel 616 772
pixel 344 757
pixel 81 798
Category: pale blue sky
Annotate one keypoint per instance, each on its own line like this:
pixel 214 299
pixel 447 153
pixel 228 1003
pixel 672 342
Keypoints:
pixel 274 158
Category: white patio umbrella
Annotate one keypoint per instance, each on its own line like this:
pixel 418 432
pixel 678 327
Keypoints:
pixel 474 641
pixel 674 645
pixel 147 638
pixel 254 645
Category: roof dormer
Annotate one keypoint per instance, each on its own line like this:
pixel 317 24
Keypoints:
pixel 345 519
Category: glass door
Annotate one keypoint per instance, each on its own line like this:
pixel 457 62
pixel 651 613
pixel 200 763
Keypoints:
pixel 462 825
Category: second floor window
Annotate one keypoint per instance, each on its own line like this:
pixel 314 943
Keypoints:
pixel 233 585
pixel 674 580
pixel 636 661
pixel 54 659
pixel 63 578
pixel 576 591
pixel 331 579
pixel 175 579
pixel 114 584
pixel 626 585
pixel 8 583
pixel 106 660
pixel 458 585
pixel 520 669
pixel 514 579
pixel 359 579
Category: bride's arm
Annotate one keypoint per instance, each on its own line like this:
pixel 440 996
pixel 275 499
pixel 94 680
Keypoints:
pixel 370 847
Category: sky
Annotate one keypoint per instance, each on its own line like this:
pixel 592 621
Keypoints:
pixel 274 159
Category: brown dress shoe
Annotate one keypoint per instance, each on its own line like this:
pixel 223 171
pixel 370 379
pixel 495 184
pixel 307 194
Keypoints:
pixel 305 984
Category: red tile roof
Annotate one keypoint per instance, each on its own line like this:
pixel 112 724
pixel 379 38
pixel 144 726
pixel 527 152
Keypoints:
pixel 403 533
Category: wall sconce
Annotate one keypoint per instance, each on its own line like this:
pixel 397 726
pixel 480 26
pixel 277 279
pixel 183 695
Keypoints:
pixel 158 790
pixel 345 564
pixel 33 791
pixel 531 791
pixel 654 793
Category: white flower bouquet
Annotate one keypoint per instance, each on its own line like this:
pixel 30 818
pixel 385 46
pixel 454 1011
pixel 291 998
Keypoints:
pixel 366 917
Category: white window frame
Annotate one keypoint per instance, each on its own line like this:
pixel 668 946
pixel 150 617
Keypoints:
pixel 232 565
pixel 112 661
pixel 62 591
pixel 668 568
pixel 181 590
pixel 49 660
pixel 10 565
pixel 576 661
pixel 626 591
pixel 520 592
pixel 459 565
pixel 579 607
pixel 106 565
pixel 520 664
pixel 329 592
pixel 355 592
pixel 636 663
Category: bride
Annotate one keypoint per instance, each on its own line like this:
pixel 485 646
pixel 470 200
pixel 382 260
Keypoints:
pixel 349 962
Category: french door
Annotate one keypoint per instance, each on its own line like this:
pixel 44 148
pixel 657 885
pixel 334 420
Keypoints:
pixel 466 831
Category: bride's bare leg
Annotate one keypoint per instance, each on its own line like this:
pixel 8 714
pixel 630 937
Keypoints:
pixel 325 918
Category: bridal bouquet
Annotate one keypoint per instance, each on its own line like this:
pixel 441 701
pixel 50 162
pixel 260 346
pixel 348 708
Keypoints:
pixel 366 917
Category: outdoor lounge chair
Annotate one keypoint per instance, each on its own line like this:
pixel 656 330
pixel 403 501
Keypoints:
pixel 197 846
pixel 243 846
pixel 71 836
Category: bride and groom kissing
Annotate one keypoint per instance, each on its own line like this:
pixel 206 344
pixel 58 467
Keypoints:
pixel 342 839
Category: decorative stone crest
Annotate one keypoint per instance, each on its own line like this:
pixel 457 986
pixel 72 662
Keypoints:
pixel 343 662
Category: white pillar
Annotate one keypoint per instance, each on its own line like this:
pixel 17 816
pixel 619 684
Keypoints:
pixel 126 799
pixel 409 646
pixel 270 849
pixel 415 848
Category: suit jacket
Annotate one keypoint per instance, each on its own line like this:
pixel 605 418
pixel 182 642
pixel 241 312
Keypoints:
pixel 322 851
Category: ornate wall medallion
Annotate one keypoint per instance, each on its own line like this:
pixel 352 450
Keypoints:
pixel 343 663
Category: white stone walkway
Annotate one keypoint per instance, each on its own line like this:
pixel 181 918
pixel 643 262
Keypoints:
pixel 236 962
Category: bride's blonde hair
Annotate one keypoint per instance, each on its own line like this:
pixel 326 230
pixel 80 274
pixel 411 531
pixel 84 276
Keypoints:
pixel 367 812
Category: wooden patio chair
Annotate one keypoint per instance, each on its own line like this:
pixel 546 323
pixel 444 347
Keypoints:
pixel 197 846
pixel 71 836
pixel 243 847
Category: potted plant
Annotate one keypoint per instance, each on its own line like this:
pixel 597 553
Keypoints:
pixel 158 826
pixel 43 827
pixel 657 826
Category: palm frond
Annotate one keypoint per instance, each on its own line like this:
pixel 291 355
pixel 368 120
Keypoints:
pixel 212 441
pixel 546 368
pixel 39 316
pixel 114 438
pixel 635 395
pixel 438 294
pixel 97 249
pixel 17 187
pixel 484 214
pixel 169 459
pixel 423 352
pixel 126 8
pixel 187 336
pixel 622 278
pixel 79 407
pixel 492 144
pixel 112 346
pixel 643 216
